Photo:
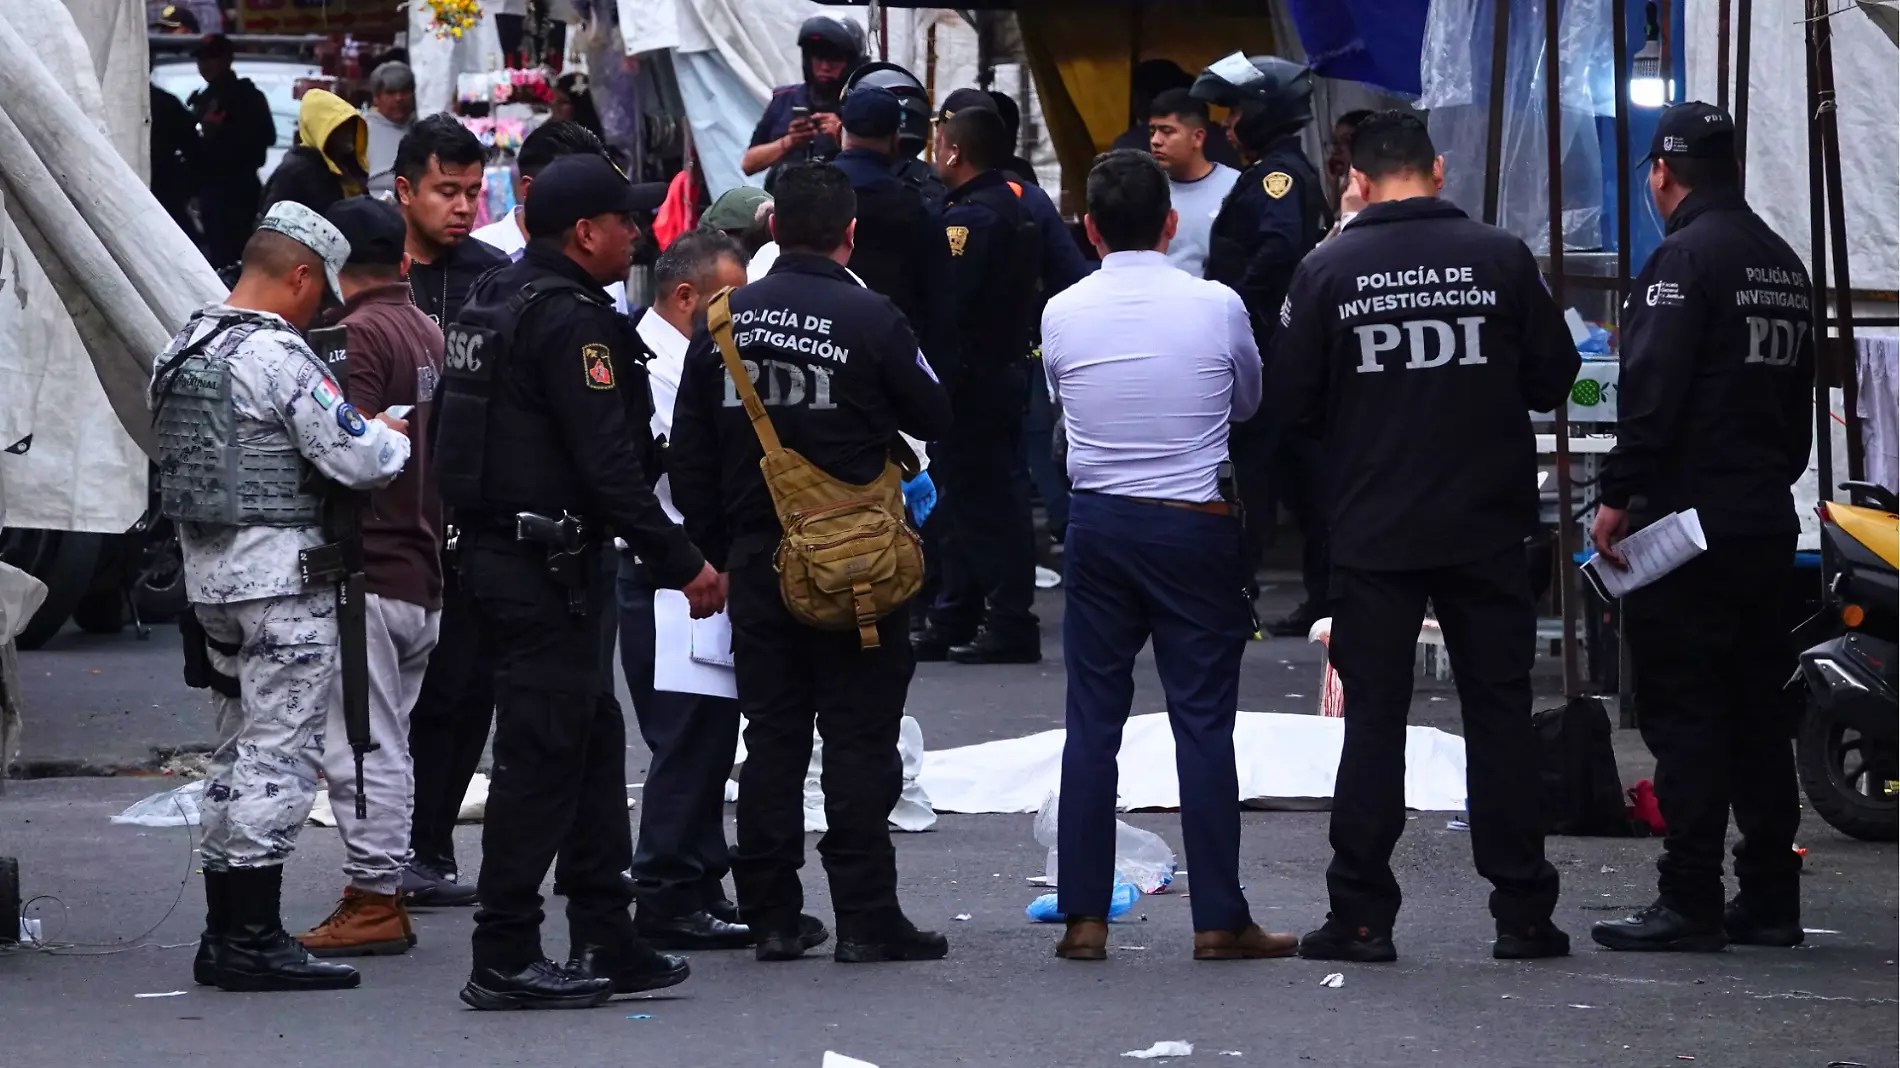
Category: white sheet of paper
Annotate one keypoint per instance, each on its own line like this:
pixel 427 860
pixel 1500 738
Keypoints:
pixel 1652 552
pixel 674 633
pixel 712 640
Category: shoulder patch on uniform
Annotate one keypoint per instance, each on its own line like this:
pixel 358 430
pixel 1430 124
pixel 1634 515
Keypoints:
pixel 959 237
pixel 350 420
pixel 598 363
pixel 1277 184
pixel 325 393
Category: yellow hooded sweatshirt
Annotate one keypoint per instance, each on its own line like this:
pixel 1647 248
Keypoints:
pixel 318 116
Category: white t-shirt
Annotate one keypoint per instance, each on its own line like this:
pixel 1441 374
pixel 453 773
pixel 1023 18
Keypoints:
pixel 504 234
pixel 1197 203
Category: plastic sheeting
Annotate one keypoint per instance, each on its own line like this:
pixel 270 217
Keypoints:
pixel 1279 757
pixel 1878 368
pixel 1373 41
pixel 1867 87
pixel 1455 66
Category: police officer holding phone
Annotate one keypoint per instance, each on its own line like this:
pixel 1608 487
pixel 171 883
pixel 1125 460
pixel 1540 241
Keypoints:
pixel 1413 346
pixel 545 458
pixel 801 120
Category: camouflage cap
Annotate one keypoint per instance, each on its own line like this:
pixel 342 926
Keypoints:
pixel 311 230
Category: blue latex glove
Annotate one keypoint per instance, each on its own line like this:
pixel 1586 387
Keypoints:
pixel 920 496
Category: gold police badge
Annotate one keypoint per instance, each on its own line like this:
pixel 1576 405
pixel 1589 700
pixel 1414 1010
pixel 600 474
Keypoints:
pixel 1277 184
pixel 959 236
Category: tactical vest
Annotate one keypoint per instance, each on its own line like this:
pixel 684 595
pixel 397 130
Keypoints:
pixel 206 473
pixel 1015 293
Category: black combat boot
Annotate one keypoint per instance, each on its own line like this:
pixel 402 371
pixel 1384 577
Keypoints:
pixel 632 966
pixel 1341 939
pixel 1661 929
pixel 1529 941
pixel 541 985
pixel 1756 921
pixel 782 941
pixel 258 954
pixel 204 967
pixel 894 939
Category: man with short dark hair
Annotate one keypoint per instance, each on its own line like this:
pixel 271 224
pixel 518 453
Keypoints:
pixel 1715 415
pixel 839 375
pixel 1177 135
pixel 392 114
pixel 680 857
pixel 983 615
pixel 550 141
pixel 236 133
pixel 1012 115
pixel 438 180
pixel 1419 396
pixel 395 359
pixel 1150 365
pixel 1339 161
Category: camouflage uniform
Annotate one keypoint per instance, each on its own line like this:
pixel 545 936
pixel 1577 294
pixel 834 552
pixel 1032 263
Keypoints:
pixel 247 592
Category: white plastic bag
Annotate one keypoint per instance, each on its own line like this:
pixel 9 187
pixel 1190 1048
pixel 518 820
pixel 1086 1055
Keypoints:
pixel 177 807
pixel 1141 857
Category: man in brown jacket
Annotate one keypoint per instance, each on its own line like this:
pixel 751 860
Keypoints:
pixel 395 355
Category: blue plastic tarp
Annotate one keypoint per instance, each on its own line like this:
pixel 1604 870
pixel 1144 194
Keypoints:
pixel 1371 41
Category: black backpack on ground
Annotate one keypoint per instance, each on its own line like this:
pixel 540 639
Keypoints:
pixel 1582 794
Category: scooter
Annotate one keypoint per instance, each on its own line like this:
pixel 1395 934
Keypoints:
pixel 1845 746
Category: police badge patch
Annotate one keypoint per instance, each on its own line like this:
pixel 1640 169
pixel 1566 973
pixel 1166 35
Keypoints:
pixel 350 420
pixel 1277 184
pixel 598 363
pixel 959 236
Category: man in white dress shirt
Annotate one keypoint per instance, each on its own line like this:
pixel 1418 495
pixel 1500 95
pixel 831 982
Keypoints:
pixel 680 857
pixel 1150 364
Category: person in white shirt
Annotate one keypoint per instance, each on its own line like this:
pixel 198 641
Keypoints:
pixel 548 142
pixel 681 856
pixel 1150 364
pixel 392 102
pixel 1177 135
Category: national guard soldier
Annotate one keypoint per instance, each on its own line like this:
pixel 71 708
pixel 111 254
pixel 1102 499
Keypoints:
pixel 543 447
pixel 1273 217
pixel 1716 415
pixel 249 425
pixel 1413 346
pixel 837 373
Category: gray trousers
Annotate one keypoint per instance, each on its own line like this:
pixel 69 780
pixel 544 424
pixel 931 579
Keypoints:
pixel 401 636
pixel 262 778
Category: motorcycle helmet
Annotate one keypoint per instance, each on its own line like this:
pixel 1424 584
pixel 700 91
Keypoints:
pixel 1274 96
pixel 914 128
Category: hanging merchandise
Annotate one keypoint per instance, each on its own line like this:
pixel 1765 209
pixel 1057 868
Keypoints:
pixel 450 19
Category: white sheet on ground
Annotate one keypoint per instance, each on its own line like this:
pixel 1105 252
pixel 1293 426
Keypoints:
pixel 1278 756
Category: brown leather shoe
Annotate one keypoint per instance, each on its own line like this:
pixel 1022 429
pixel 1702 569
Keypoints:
pixel 1086 939
pixel 362 925
pixel 1248 943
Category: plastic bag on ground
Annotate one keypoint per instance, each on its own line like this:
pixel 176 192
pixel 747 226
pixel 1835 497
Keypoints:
pixel 1141 857
pixel 177 807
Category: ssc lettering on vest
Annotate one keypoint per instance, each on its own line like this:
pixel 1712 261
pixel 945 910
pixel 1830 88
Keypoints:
pixel 783 328
pixel 1774 342
pixel 785 385
pixel 1428 343
pixel 462 351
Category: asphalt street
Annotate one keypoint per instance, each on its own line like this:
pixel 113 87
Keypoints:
pixel 1001 999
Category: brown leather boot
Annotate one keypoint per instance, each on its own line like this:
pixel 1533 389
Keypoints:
pixel 1086 939
pixel 1248 943
pixel 362 925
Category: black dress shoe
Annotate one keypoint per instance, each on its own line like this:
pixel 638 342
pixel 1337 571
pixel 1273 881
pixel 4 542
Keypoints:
pixel 987 648
pixel 695 931
pixel 1530 942
pixel 1660 928
pixel 631 968
pixel 541 985
pixel 1747 925
pixel 901 941
pixel 931 645
pixel 790 942
pixel 424 887
pixel 1295 625
pixel 722 909
pixel 1339 940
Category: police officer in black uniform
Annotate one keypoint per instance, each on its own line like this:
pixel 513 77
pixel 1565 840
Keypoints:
pixel 1413 347
pixel 801 121
pixel 840 374
pixel 1273 217
pixel 983 615
pixel 913 127
pixel 544 450
pixel 1716 415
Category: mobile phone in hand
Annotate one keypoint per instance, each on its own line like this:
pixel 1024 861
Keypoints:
pixel 399 411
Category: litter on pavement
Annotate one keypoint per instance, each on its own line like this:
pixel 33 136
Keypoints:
pixel 164 994
pixel 1162 1049
pixel 1334 980
pixel 839 1060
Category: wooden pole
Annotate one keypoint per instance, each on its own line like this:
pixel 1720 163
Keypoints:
pixel 1817 277
pixel 1721 54
pixel 1565 585
pixel 1828 117
pixel 1744 36
pixel 1494 125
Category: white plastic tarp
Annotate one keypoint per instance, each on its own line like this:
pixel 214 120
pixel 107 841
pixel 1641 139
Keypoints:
pixel 1279 757
pixel 1867 85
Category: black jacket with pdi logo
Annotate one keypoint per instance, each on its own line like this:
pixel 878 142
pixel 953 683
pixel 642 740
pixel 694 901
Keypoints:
pixel 839 372
pixel 1715 403
pixel 1416 344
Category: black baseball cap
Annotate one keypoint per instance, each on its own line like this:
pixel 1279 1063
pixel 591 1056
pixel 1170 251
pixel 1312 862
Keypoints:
pixel 572 188
pixel 1693 130
pixel 872 112
pixel 374 229
pixel 967 98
